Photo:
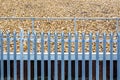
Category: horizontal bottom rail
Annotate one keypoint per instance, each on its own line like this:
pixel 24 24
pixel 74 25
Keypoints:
pixel 52 56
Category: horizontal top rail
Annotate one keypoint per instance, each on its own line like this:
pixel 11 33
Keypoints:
pixel 52 57
pixel 59 18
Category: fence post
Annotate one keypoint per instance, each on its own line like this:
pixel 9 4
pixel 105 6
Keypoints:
pixel 56 57
pixel 49 57
pixel 104 56
pixel 111 56
pixel 97 56
pixel 118 56
pixel 83 56
pixel 8 56
pixel 69 56
pixel 76 56
pixel 42 56
pixel 90 56
pixel 21 56
pixel 35 55
pixel 1 55
pixel 62 56
pixel 29 63
pixel 15 62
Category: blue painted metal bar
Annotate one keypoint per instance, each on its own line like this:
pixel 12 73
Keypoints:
pixel 97 56
pixel 104 56
pixel 29 63
pixel 56 56
pixel 76 56
pixel 90 56
pixel 49 60
pixel 15 61
pixel 62 56
pixel 66 56
pixel 35 56
pixel 42 56
pixel 111 56
pixel 1 55
pixel 69 56
pixel 118 56
pixel 8 56
pixel 83 56
pixel 21 56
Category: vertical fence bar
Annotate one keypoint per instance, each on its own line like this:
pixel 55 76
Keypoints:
pixel 56 56
pixel 8 56
pixel 35 56
pixel 97 56
pixel 83 56
pixel 42 56
pixel 62 56
pixel 75 24
pixel 111 56
pixel 118 56
pixel 76 56
pixel 15 62
pixel 21 56
pixel 49 60
pixel 90 56
pixel 104 56
pixel 1 53
pixel 29 64
pixel 69 56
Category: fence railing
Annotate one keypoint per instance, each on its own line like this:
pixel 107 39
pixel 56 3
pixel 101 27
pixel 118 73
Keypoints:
pixel 74 19
pixel 34 39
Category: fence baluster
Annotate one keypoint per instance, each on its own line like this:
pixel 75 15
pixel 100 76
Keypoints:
pixel 15 62
pixel 1 53
pixel 104 56
pixel 56 56
pixel 118 56
pixel 42 56
pixel 35 55
pixel 83 56
pixel 29 63
pixel 49 58
pixel 62 56
pixel 8 56
pixel 90 56
pixel 69 56
pixel 76 56
pixel 21 56
pixel 111 56
pixel 97 56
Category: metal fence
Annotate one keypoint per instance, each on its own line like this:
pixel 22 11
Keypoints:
pixel 58 56
pixel 74 19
